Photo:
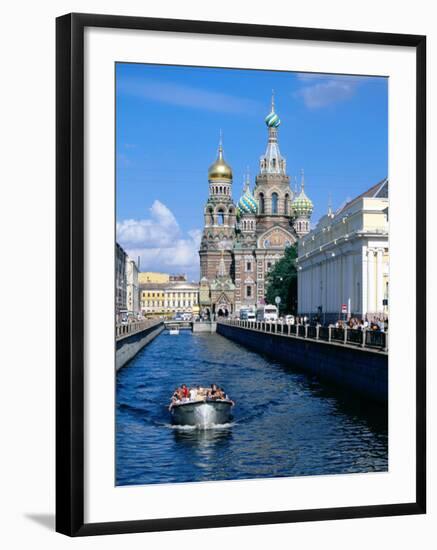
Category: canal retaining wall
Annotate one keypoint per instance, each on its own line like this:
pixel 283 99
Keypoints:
pixel 205 326
pixel 128 346
pixel 360 370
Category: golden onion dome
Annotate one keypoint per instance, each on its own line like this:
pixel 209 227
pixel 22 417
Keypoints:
pixel 220 170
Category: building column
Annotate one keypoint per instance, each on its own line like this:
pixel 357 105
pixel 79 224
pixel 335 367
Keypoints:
pixel 371 281
pixel 379 280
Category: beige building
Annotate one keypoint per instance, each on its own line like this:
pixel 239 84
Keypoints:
pixel 147 277
pixel 152 298
pixel 343 264
pixel 169 298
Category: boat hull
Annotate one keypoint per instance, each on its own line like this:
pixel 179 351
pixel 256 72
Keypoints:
pixel 202 413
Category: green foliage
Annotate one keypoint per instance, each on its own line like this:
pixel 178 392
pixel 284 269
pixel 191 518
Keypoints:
pixel 282 282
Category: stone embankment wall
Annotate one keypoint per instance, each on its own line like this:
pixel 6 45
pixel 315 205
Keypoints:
pixel 128 346
pixel 361 370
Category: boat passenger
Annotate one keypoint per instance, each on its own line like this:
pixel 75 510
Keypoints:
pixel 185 391
pixel 221 394
pixel 212 393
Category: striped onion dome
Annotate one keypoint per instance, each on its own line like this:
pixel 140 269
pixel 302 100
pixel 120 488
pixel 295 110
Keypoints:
pixel 272 120
pixel 302 205
pixel 247 203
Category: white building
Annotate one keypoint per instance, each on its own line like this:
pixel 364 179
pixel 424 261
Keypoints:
pixel 343 264
pixel 132 287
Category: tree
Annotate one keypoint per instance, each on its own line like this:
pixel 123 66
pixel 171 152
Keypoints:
pixel 282 282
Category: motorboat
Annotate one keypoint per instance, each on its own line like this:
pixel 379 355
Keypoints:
pixel 204 411
pixel 174 331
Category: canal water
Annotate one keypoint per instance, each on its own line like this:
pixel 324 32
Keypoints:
pixel 285 423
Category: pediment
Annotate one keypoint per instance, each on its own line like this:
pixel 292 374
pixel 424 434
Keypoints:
pixel 223 299
pixel 276 237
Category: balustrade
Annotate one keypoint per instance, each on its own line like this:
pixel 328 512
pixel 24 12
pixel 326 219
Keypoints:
pixel 347 336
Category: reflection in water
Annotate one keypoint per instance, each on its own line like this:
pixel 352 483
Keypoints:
pixel 285 423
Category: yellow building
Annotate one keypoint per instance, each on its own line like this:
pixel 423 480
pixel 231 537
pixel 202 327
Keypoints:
pixel 169 298
pixel 152 298
pixel 148 277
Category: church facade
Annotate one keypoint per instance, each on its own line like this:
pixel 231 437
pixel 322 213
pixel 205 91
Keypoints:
pixel 242 241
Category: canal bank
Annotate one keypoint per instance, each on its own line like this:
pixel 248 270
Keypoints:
pixel 129 343
pixel 363 371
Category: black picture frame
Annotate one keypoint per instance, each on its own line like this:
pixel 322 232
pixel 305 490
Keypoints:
pixel 70 273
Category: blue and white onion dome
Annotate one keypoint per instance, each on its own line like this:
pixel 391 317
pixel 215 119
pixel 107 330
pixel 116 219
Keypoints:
pixel 302 205
pixel 272 120
pixel 247 203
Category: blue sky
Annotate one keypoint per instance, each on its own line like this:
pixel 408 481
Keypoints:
pixel 168 122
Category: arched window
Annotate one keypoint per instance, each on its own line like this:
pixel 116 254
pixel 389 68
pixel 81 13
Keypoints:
pixel 286 201
pixel 220 217
pixel 274 203
pixel 261 203
pixel 211 217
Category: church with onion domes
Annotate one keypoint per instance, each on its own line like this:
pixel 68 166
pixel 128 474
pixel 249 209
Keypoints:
pixel 242 241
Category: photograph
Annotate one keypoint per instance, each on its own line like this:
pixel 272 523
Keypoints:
pixel 251 274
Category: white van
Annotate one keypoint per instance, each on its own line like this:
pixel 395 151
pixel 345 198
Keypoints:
pixel 267 313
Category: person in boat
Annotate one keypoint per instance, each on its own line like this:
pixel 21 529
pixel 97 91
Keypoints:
pixel 213 392
pixel 217 393
pixel 185 391
pixel 175 398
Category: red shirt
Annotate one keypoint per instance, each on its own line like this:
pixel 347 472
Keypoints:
pixel 186 392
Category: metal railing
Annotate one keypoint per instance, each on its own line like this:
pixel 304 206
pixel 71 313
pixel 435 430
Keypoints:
pixel 127 329
pixel 362 338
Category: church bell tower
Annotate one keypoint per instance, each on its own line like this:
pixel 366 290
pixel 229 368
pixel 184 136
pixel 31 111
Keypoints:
pixel 219 220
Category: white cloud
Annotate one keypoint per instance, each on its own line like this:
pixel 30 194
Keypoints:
pixel 325 90
pixel 159 230
pixel 159 242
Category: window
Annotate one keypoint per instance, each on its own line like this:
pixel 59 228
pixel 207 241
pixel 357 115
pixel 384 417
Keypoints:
pixel 261 203
pixel 248 291
pixel 248 266
pixel 221 217
pixel 286 201
pixel 274 203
